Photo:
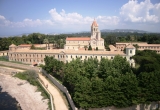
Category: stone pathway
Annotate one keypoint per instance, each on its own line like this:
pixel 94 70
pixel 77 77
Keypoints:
pixel 58 99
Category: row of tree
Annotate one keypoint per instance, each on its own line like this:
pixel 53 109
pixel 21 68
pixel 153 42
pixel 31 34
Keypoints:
pixel 58 41
pixel 94 83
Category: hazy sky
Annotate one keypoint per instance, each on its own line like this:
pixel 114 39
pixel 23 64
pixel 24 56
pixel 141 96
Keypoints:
pixel 57 16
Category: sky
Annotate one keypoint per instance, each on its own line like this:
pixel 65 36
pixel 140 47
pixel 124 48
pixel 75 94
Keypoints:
pixel 63 16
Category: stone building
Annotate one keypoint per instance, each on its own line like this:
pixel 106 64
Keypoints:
pixel 120 46
pixel 74 48
pixel 79 43
pixel 37 56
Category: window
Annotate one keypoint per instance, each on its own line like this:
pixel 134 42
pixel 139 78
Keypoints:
pixel 66 56
pixel 101 56
pixel 76 56
pixel 58 56
pixel 130 51
pixel 41 55
pixel 96 56
pixel 85 56
pixel 111 57
pixel 81 56
pixel 71 56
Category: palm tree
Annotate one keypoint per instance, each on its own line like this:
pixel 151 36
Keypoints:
pixel 45 41
pixel 39 37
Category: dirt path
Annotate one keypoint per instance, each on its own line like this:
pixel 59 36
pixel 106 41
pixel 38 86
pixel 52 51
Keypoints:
pixel 58 100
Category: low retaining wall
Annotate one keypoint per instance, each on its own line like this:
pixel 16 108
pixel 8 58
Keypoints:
pixel 52 107
pixel 151 106
pixel 62 88
pixel 21 66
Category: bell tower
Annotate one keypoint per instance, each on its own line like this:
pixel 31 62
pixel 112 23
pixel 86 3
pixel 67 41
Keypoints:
pixel 95 33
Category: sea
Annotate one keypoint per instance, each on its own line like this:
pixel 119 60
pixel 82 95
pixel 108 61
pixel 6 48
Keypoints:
pixel 7 102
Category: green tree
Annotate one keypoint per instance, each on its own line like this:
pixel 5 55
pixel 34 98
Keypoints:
pixel 89 48
pixel 85 47
pixel 32 47
pixel 96 48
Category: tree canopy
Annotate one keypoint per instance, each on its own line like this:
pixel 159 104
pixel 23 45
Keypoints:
pixel 95 84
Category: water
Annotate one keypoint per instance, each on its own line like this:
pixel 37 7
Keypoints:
pixel 7 102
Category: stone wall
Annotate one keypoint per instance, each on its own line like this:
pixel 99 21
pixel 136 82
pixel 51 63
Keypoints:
pixel 152 106
pixel 62 88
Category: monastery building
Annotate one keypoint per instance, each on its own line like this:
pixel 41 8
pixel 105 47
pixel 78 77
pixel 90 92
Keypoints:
pixel 74 48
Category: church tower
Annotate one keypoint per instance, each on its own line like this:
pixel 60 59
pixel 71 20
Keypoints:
pixel 96 40
pixel 95 33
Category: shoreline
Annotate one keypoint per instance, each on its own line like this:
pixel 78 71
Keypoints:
pixel 7 102
pixel 24 93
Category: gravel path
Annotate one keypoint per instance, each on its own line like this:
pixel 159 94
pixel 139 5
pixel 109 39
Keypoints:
pixel 24 93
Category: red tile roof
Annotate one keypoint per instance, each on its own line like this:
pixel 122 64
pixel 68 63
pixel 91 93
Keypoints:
pixel 12 45
pixel 78 39
pixel 95 23
pixel 130 46
pixel 25 45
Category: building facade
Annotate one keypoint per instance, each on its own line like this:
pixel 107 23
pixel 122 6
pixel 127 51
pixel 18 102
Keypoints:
pixel 120 46
pixel 37 56
pixel 80 43
pixel 73 49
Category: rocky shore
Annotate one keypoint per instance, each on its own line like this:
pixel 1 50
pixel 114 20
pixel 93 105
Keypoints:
pixel 25 94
